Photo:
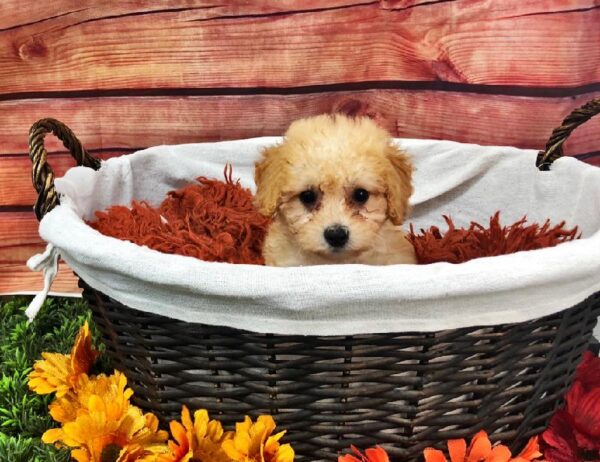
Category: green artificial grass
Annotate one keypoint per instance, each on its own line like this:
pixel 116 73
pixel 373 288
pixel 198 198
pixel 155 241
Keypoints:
pixel 24 415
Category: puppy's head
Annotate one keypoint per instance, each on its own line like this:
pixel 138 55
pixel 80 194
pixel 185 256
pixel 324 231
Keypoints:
pixel 333 182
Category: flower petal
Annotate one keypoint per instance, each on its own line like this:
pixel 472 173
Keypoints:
pixel 83 355
pixel 348 458
pixel 186 419
pixel 457 450
pixel 53 435
pixel 377 454
pixel 51 374
pixel 81 455
pixel 531 451
pixel 480 447
pixel 586 415
pixel 499 453
pixel 588 371
pixel 560 444
pixel 434 455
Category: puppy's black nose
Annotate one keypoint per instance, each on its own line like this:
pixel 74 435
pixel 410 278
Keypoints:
pixel 336 236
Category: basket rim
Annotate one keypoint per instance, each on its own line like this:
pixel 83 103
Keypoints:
pixel 306 299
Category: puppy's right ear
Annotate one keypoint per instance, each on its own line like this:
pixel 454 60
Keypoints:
pixel 399 184
pixel 269 176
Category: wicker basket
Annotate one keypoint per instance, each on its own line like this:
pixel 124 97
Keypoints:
pixel 403 391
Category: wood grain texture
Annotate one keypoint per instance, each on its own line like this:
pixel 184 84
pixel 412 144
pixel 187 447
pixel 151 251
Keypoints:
pixel 592 158
pixel 20 13
pixel 81 46
pixel 16 188
pixel 16 278
pixel 19 238
pixel 131 123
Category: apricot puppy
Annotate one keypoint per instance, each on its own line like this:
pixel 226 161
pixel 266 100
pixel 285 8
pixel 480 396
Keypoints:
pixel 337 189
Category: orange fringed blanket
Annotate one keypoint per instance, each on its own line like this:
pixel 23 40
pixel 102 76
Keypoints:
pixel 458 245
pixel 211 220
pixel 216 221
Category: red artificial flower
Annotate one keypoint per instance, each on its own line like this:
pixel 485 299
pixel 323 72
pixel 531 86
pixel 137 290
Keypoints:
pixel 376 454
pixel 558 441
pixel 574 432
pixel 584 408
pixel 588 371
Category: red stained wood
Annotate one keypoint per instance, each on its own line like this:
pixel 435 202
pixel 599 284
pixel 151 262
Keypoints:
pixel 132 123
pixel 16 188
pixel 519 43
pixel 19 238
pixel 19 13
pixel 595 160
pixel 16 278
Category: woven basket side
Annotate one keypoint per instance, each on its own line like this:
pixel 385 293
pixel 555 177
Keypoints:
pixel 402 391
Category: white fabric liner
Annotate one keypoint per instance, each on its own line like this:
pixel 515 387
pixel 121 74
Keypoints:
pixel 467 182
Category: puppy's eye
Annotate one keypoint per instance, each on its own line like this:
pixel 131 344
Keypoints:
pixel 360 195
pixel 308 197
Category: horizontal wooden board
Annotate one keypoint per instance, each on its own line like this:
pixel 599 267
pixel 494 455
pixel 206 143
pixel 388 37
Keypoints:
pixel 16 278
pixel 113 123
pixel 16 188
pixel 19 238
pixel 18 13
pixel 84 46
pixel 592 158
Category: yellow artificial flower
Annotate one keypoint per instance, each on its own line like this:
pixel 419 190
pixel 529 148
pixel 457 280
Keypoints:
pixel 274 452
pixel 111 388
pixel 253 442
pixel 57 372
pixel 137 453
pixel 200 439
pixel 209 436
pixel 133 453
pixel 107 425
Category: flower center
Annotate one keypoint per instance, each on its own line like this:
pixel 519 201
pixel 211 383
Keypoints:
pixel 110 453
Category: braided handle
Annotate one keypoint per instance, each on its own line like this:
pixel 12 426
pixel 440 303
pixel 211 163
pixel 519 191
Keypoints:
pixel 42 174
pixel 560 134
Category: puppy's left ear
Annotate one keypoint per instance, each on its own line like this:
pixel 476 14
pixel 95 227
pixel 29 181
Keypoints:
pixel 399 184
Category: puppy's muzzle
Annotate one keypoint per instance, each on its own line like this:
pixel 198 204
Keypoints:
pixel 336 236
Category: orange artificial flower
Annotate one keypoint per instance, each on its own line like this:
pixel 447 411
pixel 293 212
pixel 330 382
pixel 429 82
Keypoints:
pixel 481 450
pixel 180 449
pixel 57 372
pixel 200 439
pixel 376 454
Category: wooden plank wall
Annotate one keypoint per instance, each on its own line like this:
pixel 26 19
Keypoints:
pixel 131 74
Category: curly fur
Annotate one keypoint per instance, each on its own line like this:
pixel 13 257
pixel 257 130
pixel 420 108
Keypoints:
pixel 333 155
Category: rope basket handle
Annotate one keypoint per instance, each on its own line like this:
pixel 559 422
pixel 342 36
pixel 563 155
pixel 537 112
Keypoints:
pixel 560 134
pixel 42 174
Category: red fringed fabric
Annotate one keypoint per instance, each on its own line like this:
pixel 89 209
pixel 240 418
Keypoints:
pixel 458 245
pixel 573 434
pixel 216 221
pixel 211 220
